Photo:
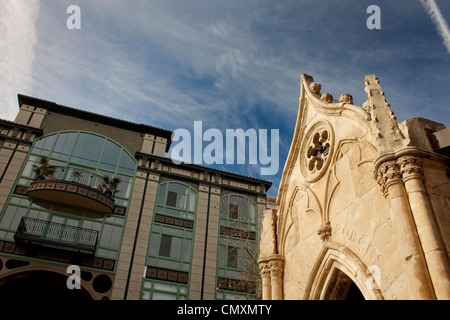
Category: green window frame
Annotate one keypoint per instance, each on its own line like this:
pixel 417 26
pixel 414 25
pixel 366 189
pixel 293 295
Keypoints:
pixel 238 211
pixel 163 290
pixel 171 246
pixel 176 199
pixel 237 251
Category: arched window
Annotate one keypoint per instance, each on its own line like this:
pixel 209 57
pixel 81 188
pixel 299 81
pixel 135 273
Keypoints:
pixel 176 199
pixel 86 157
pixel 238 211
pixel 81 157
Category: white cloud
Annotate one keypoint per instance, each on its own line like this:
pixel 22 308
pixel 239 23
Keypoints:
pixel 437 18
pixel 17 40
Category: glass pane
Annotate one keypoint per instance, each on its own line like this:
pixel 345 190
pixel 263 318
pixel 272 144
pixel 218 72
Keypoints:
pixel 175 249
pixel 171 199
pixel 154 244
pixel 192 199
pixel 115 237
pixel 163 296
pixel 187 250
pixel 161 194
pixel 232 257
pixel 49 141
pixel 174 231
pixel 164 249
pixel 8 217
pixel 145 295
pixel 178 188
pixel 181 203
pixel 106 235
pixel 110 156
pixel 127 164
pixel 165 287
pixel 124 187
pixel 168 264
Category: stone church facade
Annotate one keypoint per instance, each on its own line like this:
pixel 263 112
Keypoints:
pixel 363 205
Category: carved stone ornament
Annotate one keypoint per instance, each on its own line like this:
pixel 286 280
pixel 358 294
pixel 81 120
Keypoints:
pixel 327 97
pixel 325 231
pixel 410 167
pixel 346 98
pixel 317 151
pixel 315 87
pixel 272 266
pixel 388 173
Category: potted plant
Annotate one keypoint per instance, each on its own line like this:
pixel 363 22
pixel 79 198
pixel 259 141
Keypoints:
pixel 111 185
pixel 43 169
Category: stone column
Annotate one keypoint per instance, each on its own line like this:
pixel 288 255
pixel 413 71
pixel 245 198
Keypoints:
pixel 390 180
pixel 271 271
pixel 276 276
pixel 433 248
pixel 264 271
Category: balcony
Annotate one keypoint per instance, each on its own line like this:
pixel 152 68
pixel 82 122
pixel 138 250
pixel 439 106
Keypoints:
pixel 73 186
pixel 61 236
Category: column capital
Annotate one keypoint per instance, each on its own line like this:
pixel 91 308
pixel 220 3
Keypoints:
pixel 272 265
pixel 388 173
pixel 410 167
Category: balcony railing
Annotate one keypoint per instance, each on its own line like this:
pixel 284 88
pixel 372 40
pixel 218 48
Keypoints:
pixel 75 187
pixel 77 175
pixel 46 233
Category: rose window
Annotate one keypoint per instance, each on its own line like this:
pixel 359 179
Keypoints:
pixel 316 151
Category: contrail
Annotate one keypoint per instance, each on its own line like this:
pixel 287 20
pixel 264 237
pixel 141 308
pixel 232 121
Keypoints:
pixel 437 18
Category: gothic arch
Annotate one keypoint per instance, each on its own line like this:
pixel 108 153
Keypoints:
pixel 336 266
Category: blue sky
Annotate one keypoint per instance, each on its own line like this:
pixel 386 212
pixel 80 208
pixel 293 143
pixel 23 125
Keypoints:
pixel 231 64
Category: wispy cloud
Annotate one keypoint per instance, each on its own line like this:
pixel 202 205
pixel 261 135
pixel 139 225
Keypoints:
pixel 437 18
pixel 17 40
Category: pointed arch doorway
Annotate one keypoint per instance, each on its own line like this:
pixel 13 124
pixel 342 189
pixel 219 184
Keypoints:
pixel 341 287
pixel 339 274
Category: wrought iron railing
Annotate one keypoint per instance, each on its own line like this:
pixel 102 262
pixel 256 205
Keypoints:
pixel 40 232
pixel 77 175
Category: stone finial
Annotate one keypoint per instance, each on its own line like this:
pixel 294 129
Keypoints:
pixel 346 98
pixel 315 87
pixel 384 122
pixel 327 97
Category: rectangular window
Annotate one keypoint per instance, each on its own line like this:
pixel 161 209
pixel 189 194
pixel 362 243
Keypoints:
pixel 171 199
